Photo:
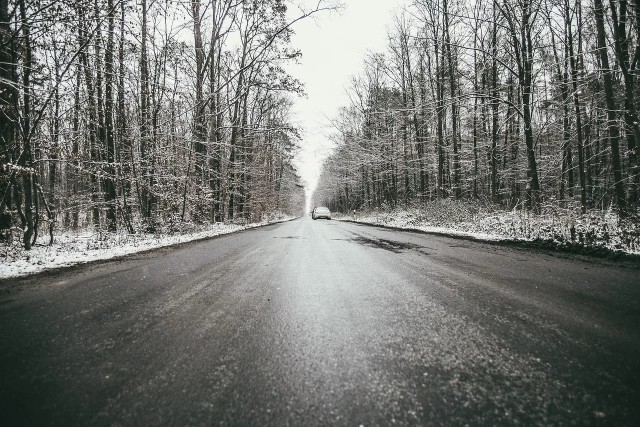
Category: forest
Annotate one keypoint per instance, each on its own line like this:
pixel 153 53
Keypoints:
pixel 528 105
pixel 135 116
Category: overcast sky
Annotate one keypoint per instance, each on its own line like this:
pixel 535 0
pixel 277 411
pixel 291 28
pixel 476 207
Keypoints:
pixel 333 49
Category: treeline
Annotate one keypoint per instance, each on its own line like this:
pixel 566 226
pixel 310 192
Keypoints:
pixel 527 103
pixel 121 114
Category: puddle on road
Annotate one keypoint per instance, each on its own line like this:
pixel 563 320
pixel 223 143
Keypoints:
pixel 389 245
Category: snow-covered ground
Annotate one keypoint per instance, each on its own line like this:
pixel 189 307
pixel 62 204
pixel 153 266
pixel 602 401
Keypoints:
pixel 597 229
pixel 70 249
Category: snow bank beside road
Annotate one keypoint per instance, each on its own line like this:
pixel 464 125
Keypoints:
pixel 71 249
pixel 594 230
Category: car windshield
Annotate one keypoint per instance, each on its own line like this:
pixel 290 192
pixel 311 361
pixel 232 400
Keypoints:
pixel 322 210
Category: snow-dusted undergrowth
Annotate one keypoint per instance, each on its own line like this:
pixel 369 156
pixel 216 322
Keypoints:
pixel 558 227
pixel 76 248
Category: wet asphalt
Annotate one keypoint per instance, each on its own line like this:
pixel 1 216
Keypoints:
pixel 324 323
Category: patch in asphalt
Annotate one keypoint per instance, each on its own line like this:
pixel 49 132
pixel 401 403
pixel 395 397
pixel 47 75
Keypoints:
pixel 288 237
pixel 389 245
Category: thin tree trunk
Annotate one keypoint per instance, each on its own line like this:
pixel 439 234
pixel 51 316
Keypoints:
pixel 440 118
pixel 578 109
pixel 457 190
pixel 199 126
pixel 145 134
pixel 26 157
pixel 110 188
pixel 567 158
pixel 93 118
pixel 124 149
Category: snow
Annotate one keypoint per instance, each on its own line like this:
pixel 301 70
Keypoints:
pixel 71 249
pixel 595 229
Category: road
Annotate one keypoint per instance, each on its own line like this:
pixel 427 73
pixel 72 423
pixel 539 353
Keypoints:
pixel 324 323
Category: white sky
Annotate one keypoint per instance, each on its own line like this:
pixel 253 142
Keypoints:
pixel 333 46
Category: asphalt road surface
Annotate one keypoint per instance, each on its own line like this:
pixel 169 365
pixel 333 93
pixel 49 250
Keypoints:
pixel 324 323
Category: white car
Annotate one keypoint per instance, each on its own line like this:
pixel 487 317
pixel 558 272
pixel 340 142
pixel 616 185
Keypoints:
pixel 321 212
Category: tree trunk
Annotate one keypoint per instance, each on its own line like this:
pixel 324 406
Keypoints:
pixel 440 111
pixel 8 103
pixel 457 190
pixel 578 109
pixel 110 188
pixel 629 71
pixel 199 125
pixel 494 108
pixel 26 157
pixel 612 125
pixel 524 53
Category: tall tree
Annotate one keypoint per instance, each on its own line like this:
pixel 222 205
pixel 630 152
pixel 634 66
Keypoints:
pixel 614 131
pixel 26 159
pixel 521 20
pixel 8 109
pixel 109 184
